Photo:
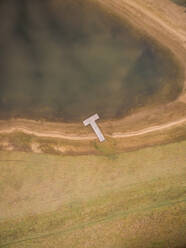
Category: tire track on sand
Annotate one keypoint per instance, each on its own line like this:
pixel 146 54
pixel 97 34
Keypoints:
pixel 114 216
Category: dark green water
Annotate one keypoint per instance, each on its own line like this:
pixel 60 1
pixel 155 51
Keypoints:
pixel 180 2
pixel 66 60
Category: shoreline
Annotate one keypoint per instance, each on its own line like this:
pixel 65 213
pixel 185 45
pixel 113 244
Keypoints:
pixel 57 134
pixel 158 30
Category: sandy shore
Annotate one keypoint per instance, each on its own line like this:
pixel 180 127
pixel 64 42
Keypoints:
pixel 18 126
pixel 163 25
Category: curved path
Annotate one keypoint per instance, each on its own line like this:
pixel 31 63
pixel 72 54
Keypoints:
pixel 150 129
pixel 122 4
pixel 116 135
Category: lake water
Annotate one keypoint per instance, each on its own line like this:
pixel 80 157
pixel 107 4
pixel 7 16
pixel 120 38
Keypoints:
pixel 65 60
pixel 180 2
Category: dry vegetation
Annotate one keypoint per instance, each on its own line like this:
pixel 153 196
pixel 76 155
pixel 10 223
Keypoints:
pixel 134 199
pixel 18 141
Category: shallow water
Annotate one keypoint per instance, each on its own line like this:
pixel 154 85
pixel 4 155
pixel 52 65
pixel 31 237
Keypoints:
pixel 66 60
pixel 180 2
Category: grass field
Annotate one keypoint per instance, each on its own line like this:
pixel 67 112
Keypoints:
pixel 134 199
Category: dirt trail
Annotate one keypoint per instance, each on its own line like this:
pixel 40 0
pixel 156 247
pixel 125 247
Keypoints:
pixel 91 137
pixel 159 27
pixel 150 129
pixel 114 216
pixel 119 5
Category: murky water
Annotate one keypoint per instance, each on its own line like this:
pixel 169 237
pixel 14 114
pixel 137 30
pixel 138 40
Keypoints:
pixel 180 2
pixel 66 60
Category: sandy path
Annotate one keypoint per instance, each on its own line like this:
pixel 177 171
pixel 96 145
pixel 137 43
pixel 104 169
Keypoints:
pixel 119 135
pixel 155 25
pixel 150 129
pixel 119 5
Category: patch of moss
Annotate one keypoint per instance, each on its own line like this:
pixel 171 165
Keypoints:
pixel 106 148
pixel 48 148
pixel 20 141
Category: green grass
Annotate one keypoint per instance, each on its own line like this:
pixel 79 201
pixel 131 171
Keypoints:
pixel 137 199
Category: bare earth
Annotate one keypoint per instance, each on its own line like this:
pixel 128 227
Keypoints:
pixel 91 137
pixel 164 22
